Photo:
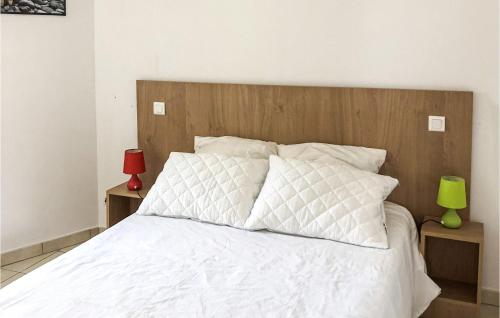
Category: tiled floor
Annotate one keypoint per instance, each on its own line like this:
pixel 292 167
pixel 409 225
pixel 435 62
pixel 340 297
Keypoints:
pixel 13 271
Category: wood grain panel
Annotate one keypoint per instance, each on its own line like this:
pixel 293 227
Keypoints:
pixel 452 260
pixel 391 119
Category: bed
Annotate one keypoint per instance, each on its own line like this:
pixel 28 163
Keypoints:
pixel 148 266
pixel 151 266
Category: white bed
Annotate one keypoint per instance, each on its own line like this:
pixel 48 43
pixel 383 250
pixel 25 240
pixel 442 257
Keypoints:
pixel 148 266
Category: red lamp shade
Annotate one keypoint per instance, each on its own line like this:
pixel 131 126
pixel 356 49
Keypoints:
pixel 133 164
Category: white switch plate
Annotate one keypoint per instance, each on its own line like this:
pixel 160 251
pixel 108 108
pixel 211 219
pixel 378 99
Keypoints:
pixel 437 123
pixel 159 108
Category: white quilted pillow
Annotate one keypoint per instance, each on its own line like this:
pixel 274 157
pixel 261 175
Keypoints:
pixel 207 187
pixel 332 201
pixel 369 159
pixel 235 146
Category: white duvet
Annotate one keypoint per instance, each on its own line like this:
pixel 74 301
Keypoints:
pixel 149 266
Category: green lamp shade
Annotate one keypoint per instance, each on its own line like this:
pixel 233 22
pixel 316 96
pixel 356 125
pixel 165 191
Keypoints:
pixel 451 193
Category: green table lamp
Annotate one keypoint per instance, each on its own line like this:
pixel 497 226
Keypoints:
pixel 451 195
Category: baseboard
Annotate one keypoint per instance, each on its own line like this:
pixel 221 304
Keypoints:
pixel 489 296
pixel 48 246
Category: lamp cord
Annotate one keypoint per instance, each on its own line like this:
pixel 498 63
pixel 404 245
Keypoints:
pixel 428 220
pixel 139 194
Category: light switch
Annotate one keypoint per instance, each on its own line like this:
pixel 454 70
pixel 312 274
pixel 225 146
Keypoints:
pixel 437 123
pixel 159 108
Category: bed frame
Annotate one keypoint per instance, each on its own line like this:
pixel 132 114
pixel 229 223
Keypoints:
pixel 392 119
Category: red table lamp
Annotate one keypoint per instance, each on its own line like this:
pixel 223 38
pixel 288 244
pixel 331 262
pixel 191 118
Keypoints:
pixel 133 164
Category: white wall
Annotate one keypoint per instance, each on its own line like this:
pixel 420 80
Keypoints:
pixel 448 44
pixel 48 157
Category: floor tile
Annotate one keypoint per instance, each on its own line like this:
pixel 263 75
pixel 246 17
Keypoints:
pixel 22 265
pixel 10 280
pixel 6 274
pixel 43 261
pixel 69 248
pixel 489 311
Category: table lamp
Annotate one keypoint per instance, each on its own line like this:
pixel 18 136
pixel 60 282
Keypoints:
pixel 133 164
pixel 451 195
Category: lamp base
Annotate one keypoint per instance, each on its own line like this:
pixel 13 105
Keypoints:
pixel 134 184
pixel 451 219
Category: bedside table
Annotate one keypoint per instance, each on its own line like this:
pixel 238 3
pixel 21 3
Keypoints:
pixel 120 203
pixel 454 260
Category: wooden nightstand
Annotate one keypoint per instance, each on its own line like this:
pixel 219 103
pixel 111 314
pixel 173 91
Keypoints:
pixel 454 261
pixel 120 203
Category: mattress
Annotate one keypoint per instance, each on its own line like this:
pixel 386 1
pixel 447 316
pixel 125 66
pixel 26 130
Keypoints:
pixel 149 266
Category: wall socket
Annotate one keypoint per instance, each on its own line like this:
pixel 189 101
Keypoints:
pixel 437 123
pixel 159 108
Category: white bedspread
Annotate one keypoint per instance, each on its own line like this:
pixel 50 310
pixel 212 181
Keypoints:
pixel 148 266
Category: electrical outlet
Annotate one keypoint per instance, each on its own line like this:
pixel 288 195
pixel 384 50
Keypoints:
pixel 159 108
pixel 437 123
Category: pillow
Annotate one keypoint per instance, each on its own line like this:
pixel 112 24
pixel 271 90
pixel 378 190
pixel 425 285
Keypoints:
pixel 331 201
pixel 207 187
pixel 369 159
pixel 235 146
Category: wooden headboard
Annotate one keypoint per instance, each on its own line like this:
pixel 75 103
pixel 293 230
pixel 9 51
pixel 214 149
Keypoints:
pixel 391 119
